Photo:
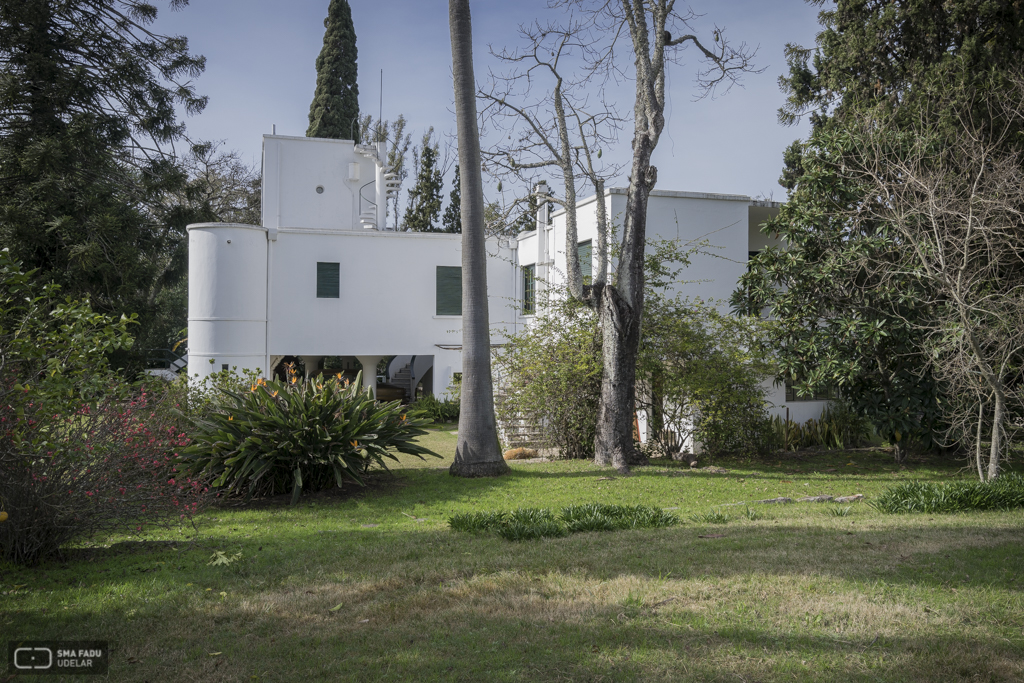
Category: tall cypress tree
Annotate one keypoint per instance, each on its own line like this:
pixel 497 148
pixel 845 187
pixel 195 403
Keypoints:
pixel 336 100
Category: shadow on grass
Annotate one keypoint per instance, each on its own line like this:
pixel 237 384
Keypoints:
pixel 502 629
pixel 935 555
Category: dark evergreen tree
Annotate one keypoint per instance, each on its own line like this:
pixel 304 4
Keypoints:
pixel 845 319
pixel 425 196
pixel 87 116
pixel 335 103
pixel 527 220
pixel 452 219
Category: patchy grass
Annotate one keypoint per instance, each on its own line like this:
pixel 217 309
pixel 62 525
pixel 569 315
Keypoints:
pixel 371 585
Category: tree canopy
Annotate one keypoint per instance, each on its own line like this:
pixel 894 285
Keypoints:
pixel 425 196
pixel 88 125
pixel 334 111
pixel 851 306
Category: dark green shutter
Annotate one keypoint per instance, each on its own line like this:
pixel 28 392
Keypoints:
pixel 585 254
pixel 328 276
pixel 449 290
pixel 529 290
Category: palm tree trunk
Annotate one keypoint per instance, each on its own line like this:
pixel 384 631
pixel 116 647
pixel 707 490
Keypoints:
pixel 477 453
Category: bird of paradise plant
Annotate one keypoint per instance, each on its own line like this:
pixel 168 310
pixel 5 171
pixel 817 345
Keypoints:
pixel 309 434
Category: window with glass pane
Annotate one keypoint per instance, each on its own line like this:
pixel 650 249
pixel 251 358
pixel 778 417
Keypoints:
pixel 328 277
pixel 585 255
pixel 449 290
pixel 529 290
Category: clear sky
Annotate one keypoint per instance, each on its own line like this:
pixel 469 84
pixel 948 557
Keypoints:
pixel 260 72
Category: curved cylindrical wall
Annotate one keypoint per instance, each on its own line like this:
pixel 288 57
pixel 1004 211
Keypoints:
pixel 227 297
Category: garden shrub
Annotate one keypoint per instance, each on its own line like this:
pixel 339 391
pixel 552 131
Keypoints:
pixel 699 372
pixel 549 376
pixel 104 468
pixel 1004 493
pixel 438 410
pixel 81 450
pixel 704 377
pixel 297 435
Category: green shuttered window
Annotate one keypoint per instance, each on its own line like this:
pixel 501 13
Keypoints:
pixel 529 290
pixel 449 290
pixel 327 280
pixel 585 254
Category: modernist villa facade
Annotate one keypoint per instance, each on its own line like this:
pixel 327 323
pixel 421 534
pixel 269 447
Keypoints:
pixel 323 276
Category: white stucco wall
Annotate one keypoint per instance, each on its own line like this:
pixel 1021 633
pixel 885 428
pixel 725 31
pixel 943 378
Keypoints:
pixel 387 303
pixel 690 217
pixel 227 297
pixel 294 167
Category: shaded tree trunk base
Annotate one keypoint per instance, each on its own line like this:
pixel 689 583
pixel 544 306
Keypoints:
pixel 899 453
pixel 472 470
pixel 620 339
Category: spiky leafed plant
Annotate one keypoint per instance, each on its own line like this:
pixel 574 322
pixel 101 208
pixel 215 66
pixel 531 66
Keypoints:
pixel 303 434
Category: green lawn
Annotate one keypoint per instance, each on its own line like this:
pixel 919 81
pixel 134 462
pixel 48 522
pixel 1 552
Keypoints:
pixel 371 585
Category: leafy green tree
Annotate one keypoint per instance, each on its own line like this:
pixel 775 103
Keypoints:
pixel 334 112
pixel 452 219
pixel 700 372
pixel 425 196
pixel 88 103
pixel 849 313
pixel 213 186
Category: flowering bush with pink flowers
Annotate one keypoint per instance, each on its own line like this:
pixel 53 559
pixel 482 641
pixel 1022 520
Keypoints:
pixel 81 450
pixel 105 468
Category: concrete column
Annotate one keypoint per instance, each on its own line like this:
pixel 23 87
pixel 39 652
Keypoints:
pixel 382 192
pixel 543 255
pixel 311 364
pixel 369 364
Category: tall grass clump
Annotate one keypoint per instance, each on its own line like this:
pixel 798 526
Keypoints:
pixel 1005 493
pixel 839 426
pixel 532 523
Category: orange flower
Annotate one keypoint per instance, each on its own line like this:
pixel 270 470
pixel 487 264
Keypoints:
pixel 231 417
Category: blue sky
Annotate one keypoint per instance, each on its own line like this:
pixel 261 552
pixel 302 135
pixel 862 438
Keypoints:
pixel 260 72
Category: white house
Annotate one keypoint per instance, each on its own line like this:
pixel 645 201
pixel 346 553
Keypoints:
pixel 323 276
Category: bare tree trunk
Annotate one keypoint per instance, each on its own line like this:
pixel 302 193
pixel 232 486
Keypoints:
pixel 477 453
pixel 620 326
pixel 997 427
pixel 977 440
pixel 621 312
